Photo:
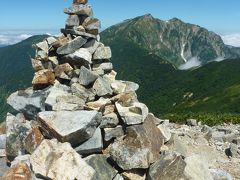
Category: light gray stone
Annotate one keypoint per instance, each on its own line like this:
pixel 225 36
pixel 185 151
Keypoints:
pixel 71 46
pixel 42 46
pixel 103 66
pixel 111 133
pixel 91 45
pixel 54 160
pixel 92 145
pixel 165 132
pixel 2 141
pixel 73 20
pixel 99 162
pixel 80 55
pixel 102 53
pixel 50 40
pixel 28 101
pixel 219 174
pixel 16 131
pixel 86 76
pixel 74 127
pixel 78 33
pixel 109 121
pixel 102 87
pixel 124 86
pixel 197 168
pixel 79 10
pixel 98 105
pixel 82 92
pixel 192 122
pixel 135 114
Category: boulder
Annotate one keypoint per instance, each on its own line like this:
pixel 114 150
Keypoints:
pixel 62 69
pixel 102 87
pixel 33 140
pixel 102 53
pixel 108 109
pixel 106 67
pixel 3 167
pixel 79 33
pixel 178 145
pixel 92 25
pixel 54 160
pixel 73 20
pixel 86 76
pixel 233 151
pixel 109 121
pixel 82 92
pixel 99 104
pixel 197 168
pixel 170 166
pixel 110 133
pixel 42 46
pixel 67 126
pixel 19 171
pixel 92 145
pixel 124 86
pixel 79 10
pixel 17 129
pixel 71 46
pixel 192 122
pixel 110 77
pixel 135 114
pixel 80 55
pixel 91 45
pixel 139 148
pixel 219 174
pixel 166 133
pixel 100 164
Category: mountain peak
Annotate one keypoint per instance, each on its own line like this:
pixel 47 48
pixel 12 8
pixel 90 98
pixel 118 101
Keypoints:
pixel 147 16
pixel 175 20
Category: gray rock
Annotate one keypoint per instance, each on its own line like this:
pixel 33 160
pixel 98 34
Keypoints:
pixel 42 46
pixel 92 25
pixel 111 133
pixel 98 105
pixel 16 131
pixel 135 174
pixel 78 33
pixel 71 46
pixel 197 168
pixel 28 101
pixel 50 40
pixel 58 90
pixel 92 145
pixel 236 141
pixel 79 10
pixel 2 141
pixel 86 76
pixel 54 160
pixel 169 166
pixel 82 92
pixel 80 55
pixel 91 45
pixel 73 20
pixel 218 136
pixel 219 174
pixel 100 164
pixel 233 151
pixel 177 145
pixel 165 132
pixel 3 166
pixel 134 114
pixel 102 53
pixel 102 87
pixel 74 127
pixel 118 177
pixel 139 148
pixel 192 122
pixel 109 121
pixel 103 66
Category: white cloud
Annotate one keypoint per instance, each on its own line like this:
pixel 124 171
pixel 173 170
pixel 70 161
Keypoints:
pixel 9 37
pixel 232 39
pixel 193 62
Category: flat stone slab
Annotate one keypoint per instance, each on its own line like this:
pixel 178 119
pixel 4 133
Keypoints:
pixel 93 145
pixel 78 33
pixel 74 127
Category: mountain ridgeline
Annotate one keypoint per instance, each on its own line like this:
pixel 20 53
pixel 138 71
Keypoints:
pixel 173 40
pixel 148 51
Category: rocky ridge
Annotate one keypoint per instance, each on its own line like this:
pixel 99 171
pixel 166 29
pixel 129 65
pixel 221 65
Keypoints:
pixel 79 122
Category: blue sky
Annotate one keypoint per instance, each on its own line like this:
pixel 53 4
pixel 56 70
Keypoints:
pixel 221 16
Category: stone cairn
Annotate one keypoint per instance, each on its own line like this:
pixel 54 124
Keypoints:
pixel 78 121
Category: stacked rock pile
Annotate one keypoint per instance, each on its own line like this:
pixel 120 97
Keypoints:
pixel 79 122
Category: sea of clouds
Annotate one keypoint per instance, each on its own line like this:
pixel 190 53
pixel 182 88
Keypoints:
pixel 232 39
pixel 9 37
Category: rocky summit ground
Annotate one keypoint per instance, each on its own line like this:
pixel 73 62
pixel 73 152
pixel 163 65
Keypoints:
pixel 77 122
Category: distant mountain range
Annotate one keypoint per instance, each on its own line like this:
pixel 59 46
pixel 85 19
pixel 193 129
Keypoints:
pixel 173 40
pixel 148 51
pixel 1 45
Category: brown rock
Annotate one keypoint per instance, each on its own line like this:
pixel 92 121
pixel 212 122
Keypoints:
pixel 19 171
pixel 33 140
pixel 3 128
pixel 139 148
pixel 61 69
pixel 43 77
pixel 80 1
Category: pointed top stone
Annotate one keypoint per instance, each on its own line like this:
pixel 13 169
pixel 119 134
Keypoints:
pixel 80 1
